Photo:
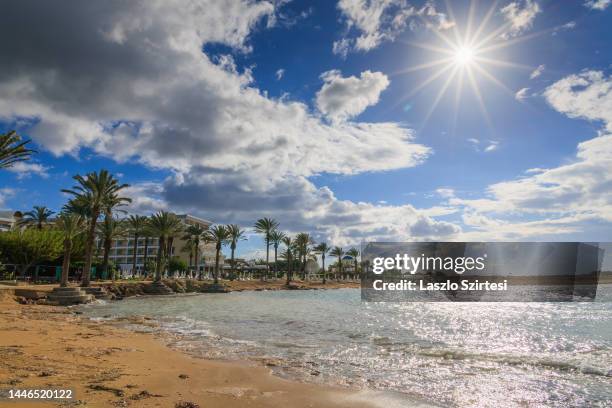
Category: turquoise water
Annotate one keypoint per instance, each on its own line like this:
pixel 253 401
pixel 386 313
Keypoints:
pixel 453 354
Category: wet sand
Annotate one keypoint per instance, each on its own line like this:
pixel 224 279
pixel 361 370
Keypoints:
pixel 106 366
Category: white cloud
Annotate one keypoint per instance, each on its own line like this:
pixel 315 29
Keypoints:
pixel 6 193
pixel 279 74
pixel 492 146
pixel 27 169
pixel 519 16
pixel 563 199
pixel 149 95
pixel 299 206
pixel 488 147
pixel 537 72
pixel 521 94
pixel 342 98
pixel 587 95
pixel 597 4
pixel 378 21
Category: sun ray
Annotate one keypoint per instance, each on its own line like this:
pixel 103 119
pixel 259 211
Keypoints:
pixel 451 15
pixel 470 20
pixel 476 91
pixel 458 92
pixel 502 63
pixel 423 84
pixel 484 23
pixel 428 47
pixel 439 96
pixel 496 81
pixel 514 41
pixel 422 66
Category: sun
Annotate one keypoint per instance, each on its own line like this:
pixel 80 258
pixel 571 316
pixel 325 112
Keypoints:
pixel 464 56
pixel 467 53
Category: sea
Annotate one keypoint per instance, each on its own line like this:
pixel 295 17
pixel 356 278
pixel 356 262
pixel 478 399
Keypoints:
pixel 448 354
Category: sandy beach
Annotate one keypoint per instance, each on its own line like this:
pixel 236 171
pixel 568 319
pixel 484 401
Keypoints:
pixel 106 366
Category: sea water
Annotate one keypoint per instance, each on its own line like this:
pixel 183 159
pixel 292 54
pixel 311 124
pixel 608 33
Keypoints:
pixel 451 354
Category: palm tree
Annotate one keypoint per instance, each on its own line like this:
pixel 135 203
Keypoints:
pixel 338 252
pixel 303 242
pixel 322 249
pixel 276 237
pixel 137 225
pixel 235 234
pixel 218 234
pixel 111 203
pixel 265 226
pixel 163 224
pixel 146 234
pixel 91 194
pixel 287 254
pixel 71 225
pixel 13 149
pixel 110 229
pixel 38 216
pixel 354 252
pixel 194 235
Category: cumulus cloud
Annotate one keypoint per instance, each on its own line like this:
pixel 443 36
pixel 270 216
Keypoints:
pixel 27 169
pixel 6 193
pixel 279 74
pixel 129 80
pixel 565 198
pixel 597 4
pixel 370 23
pixel 298 204
pixel 519 16
pixel 521 94
pixel 537 72
pixel 587 95
pixel 343 98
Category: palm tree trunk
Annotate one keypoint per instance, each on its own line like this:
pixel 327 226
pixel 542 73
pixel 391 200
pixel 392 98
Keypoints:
pixel 275 260
pixel 232 261
pixel 144 262
pixel 324 273
pixel 135 254
pixel 107 247
pixel 66 263
pixel 217 265
pixel 89 246
pixel 267 260
pixel 288 270
pixel 197 265
pixel 158 266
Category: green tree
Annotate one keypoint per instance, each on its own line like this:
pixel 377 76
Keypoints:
pixel 220 236
pixel 176 264
pixel 339 253
pixel 91 196
pixel 303 242
pixel 265 226
pixel 163 225
pixel 287 255
pixel 354 253
pixel 322 249
pixel 71 226
pixel 31 246
pixel 108 230
pixel 39 216
pixel 235 234
pixel 136 226
pixel 194 235
pixel 13 149
pixel 276 237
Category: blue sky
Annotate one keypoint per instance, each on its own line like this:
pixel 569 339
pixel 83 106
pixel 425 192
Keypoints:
pixel 304 111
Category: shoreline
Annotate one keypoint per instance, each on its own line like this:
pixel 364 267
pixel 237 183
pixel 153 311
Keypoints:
pixel 109 366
